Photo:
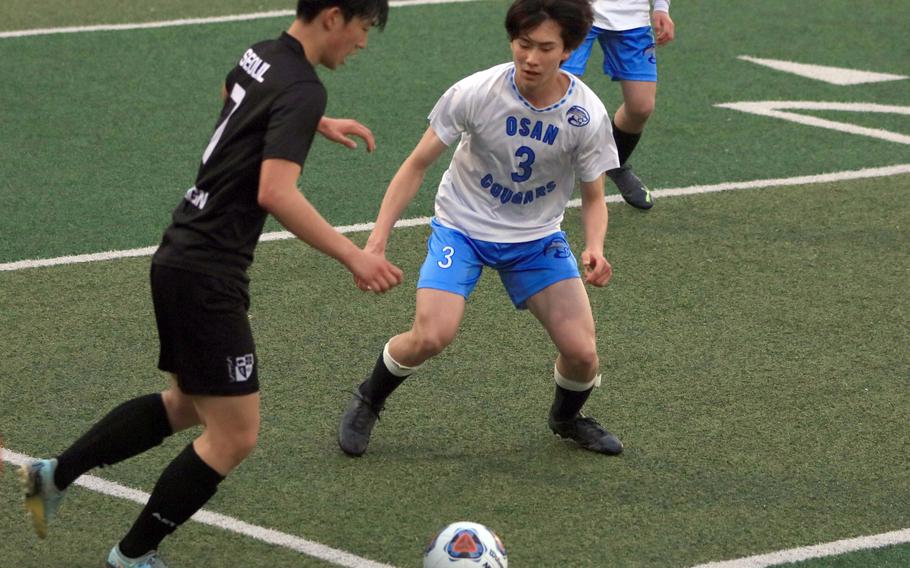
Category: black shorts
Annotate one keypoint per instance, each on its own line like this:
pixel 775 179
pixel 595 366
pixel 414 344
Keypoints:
pixel 204 332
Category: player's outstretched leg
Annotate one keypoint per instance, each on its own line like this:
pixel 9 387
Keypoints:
pixel 632 189
pixel 116 559
pixel 42 498
pixel 367 402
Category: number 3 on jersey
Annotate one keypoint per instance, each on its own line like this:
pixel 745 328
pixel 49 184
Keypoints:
pixel 237 94
pixel 524 167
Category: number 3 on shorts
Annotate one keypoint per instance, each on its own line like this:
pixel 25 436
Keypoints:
pixel 447 254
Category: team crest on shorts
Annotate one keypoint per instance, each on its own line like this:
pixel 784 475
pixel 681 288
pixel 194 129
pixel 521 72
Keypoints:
pixel 578 116
pixel 559 249
pixel 240 369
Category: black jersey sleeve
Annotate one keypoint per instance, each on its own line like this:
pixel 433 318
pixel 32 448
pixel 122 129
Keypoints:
pixel 293 120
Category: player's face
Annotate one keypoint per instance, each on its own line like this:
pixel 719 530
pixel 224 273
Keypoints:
pixel 348 38
pixel 537 54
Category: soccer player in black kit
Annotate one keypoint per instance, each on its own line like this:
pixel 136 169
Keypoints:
pixel 274 104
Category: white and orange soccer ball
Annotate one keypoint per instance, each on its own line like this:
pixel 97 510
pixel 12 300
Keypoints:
pixel 465 545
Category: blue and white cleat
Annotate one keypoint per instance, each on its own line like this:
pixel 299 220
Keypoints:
pixel 42 498
pixel 116 559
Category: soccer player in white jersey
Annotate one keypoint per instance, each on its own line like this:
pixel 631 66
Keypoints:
pixel 525 130
pixel 627 31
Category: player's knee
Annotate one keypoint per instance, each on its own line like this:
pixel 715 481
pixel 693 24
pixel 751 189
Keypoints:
pixel 432 342
pixel 246 444
pixel 639 110
pixel 240 445
pixel 582 356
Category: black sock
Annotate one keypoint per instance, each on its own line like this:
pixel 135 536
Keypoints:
pixel 128 430
pixel 380 383
pixel 567 403
pixel 625 143
pixel 183 488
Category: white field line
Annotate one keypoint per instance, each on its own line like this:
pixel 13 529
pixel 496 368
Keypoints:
pixel 817 551
pixel 363 227
pixel 269 536
pixel 191 21
pixel 826 73
pixel 777 109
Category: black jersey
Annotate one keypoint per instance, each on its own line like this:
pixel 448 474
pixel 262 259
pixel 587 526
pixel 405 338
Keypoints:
pixel 274 104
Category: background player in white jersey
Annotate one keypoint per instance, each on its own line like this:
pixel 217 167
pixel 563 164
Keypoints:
pixel 200 287
pixel 525 130
pixel 624 30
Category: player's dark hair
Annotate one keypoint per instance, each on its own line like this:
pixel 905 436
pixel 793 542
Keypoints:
pixel 575 18
pixel 376 11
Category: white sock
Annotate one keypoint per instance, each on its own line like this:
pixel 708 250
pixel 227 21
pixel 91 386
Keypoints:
pixel 575 385
pixel 394 366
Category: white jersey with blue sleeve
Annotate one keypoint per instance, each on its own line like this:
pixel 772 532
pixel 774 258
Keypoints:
pixel 515 165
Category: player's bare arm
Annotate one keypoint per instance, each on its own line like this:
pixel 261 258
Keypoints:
pixel 594 216
pixel 341 130
pixel 403 187
pixel 278 194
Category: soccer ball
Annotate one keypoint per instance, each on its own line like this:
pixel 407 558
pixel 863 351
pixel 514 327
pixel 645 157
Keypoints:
pixel 465 544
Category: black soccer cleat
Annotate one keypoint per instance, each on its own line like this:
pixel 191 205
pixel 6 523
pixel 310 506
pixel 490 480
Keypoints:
pixel 357 423
pixel 631 188
pixel 588 433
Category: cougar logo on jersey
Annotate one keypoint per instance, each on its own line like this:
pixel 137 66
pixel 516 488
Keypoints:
pixel 240 369
pixel 577 116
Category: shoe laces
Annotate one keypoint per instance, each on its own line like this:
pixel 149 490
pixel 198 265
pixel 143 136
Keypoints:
pixel 361 418
pixel 583 422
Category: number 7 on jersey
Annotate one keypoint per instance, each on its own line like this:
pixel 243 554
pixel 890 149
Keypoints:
pixel 237 94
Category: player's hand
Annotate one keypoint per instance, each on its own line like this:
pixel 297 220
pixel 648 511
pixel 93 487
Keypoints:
pixel 597 270
pixel 373 273
pixel 340 130
pixel 663 26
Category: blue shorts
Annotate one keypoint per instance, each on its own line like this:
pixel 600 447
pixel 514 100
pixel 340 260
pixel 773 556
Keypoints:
pixel 454 263
pixel 628 54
